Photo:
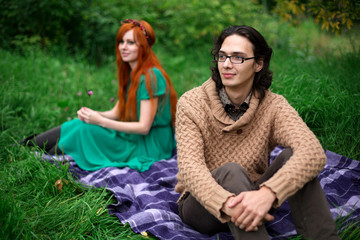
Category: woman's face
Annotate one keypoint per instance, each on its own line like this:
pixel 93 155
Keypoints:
pixel 128 49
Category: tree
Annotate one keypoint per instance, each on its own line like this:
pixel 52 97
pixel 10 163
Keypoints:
pixel 332 15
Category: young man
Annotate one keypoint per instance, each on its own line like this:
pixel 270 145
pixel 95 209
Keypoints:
pixel 225 131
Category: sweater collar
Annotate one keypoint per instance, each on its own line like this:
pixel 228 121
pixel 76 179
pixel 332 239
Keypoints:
pixel 234 111
pixel 219 113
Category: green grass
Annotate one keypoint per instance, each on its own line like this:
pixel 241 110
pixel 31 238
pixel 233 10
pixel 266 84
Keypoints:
pixel 33 208
pixel 326 93
pixel 41 90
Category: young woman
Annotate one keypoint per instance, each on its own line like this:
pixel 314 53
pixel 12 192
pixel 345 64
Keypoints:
pixel 139 129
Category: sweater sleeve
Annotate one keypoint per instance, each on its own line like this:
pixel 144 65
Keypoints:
pixel 308 158
pixel 193 174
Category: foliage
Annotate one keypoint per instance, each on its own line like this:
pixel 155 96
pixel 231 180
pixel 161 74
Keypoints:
pixel 187 21
pixel 91 25
pixel 84 24
pixel 334 15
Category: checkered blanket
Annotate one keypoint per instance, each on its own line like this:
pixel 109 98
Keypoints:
pixel 147 200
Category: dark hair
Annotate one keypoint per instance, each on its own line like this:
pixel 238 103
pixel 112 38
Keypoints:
pixel 263 78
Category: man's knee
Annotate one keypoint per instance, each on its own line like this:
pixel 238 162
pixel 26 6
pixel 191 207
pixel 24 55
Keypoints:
pixel 233 177
pixel 285 155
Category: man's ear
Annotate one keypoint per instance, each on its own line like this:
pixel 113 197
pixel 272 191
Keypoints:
pixel 259 65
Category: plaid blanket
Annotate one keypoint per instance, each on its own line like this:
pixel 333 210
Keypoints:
pixel 147 200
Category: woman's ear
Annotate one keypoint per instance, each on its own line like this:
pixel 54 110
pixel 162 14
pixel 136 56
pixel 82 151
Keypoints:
pixel 259 65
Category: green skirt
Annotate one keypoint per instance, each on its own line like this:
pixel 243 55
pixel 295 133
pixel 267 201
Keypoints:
pixel 94 147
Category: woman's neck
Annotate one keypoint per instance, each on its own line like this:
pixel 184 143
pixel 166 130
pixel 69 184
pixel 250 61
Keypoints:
pixel 132 65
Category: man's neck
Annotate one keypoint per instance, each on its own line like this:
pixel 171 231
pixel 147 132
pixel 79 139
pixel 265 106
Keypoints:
pixel 237 96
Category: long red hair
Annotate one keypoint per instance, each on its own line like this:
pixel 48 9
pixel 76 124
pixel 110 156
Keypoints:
pixel 146 60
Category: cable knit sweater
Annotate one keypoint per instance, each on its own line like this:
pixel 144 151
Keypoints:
pixel 208 138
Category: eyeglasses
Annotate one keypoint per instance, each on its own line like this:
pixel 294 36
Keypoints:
pixel 233 59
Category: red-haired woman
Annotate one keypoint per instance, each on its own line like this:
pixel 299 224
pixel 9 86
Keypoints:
pixel 139 129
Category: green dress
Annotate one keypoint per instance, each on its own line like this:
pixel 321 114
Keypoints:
pixel 94 147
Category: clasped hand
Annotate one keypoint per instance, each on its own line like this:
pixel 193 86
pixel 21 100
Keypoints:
pixel 249 209
pixel 89 116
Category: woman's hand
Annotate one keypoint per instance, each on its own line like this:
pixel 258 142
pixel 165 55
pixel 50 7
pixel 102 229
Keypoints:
pixel 105 120
pixel 89 116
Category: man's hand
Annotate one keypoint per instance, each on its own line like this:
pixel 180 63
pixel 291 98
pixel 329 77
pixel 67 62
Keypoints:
pixel 248 209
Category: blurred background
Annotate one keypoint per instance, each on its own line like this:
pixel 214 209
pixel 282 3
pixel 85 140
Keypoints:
pixel 52 52
pixel 90 26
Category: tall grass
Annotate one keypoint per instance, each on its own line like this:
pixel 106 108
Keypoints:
pixel 41 90
pixel 326 93
pixel 33 208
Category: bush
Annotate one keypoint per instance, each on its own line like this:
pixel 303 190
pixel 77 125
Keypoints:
pixel 84 25
pixel 91 25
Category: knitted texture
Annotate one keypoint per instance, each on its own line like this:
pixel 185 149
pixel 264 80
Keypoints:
pixel 207 138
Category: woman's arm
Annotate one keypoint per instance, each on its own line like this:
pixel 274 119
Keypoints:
pixel 113 113
pixel 142 127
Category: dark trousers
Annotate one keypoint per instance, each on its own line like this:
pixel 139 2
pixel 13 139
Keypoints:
pixel 48 141
pixel 309 208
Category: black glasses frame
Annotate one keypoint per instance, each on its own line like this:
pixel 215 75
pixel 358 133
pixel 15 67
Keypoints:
pixel 216 58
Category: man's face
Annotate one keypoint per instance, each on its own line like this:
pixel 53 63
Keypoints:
pixel 237 76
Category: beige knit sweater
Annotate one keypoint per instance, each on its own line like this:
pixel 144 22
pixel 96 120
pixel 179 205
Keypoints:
pixel 208 138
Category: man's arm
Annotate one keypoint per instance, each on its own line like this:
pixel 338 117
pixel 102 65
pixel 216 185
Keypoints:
pixel 307 160
pixel 193 171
